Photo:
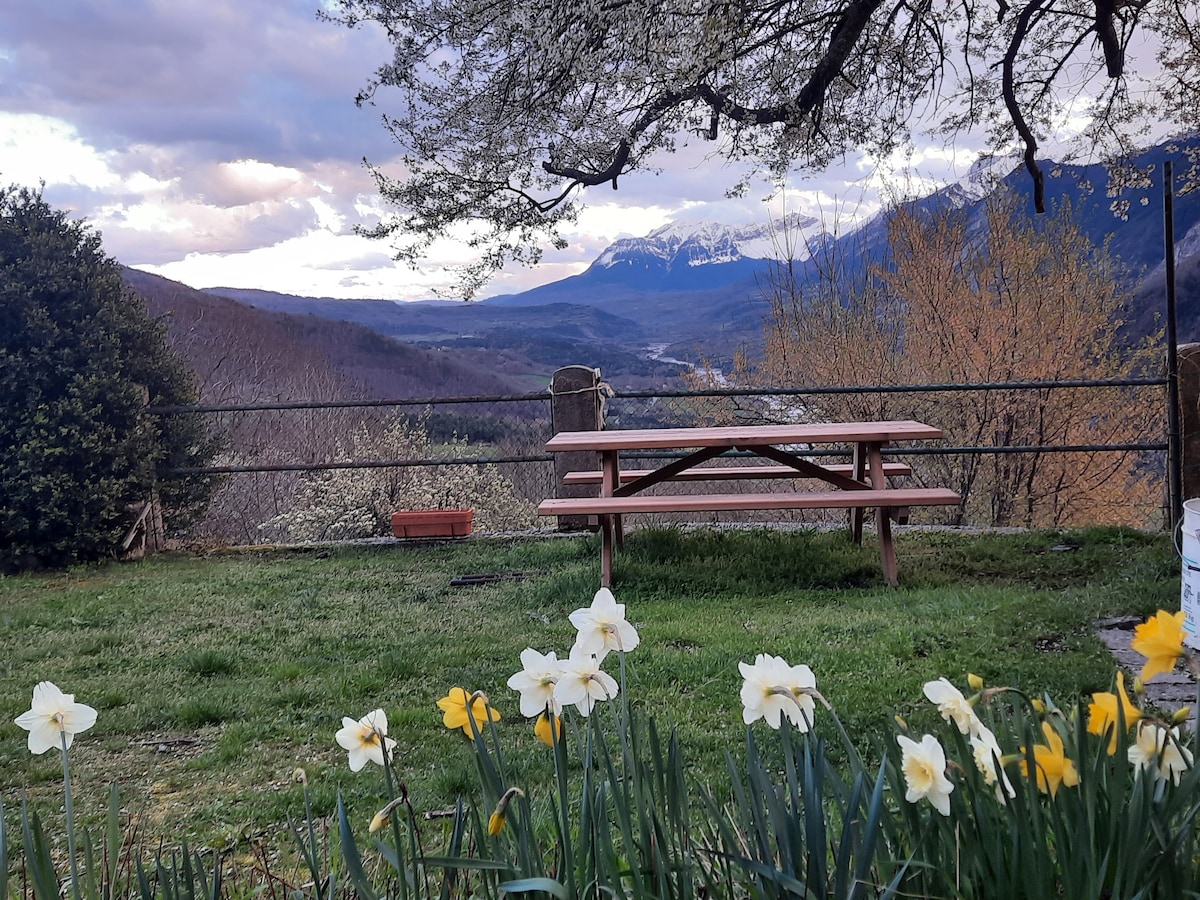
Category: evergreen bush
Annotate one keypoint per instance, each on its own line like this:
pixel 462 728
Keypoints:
pixel 80 362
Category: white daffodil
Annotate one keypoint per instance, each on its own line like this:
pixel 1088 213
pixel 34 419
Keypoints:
pixel 365 739
pixel 986 750
pixel 602 626
pixel 924 767
pixel 582 683
pixel 1159 751
pixel 54 718
pixel 773 689
pixel 536 682
pixel 953 706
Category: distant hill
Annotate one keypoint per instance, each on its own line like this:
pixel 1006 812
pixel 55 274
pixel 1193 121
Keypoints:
pixel 692 290
pixel 241 353
pixel 510 339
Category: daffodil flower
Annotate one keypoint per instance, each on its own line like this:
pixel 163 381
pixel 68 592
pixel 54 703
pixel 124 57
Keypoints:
pixel 500 815
pixel 581 683
pixel 1159 751
pixel 988 759
pixel 924 768
pixel 953 706
pixel 366 739
pixel 54 718
pixel 1053 767
pixel 773 689
pixel 461 709
pixel 1103 715
pixel 602 627
pixel 383 818
pixel 536 682
pixel 548 728
pixel 1160 640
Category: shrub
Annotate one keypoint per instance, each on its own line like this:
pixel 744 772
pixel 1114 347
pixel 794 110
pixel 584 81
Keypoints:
pixel 339 504
pixel 80 361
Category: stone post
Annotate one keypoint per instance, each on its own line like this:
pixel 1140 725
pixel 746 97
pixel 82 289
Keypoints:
pixel 575 406
pixel 1189 418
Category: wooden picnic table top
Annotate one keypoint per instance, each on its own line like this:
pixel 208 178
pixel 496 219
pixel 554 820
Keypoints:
pixel 742 436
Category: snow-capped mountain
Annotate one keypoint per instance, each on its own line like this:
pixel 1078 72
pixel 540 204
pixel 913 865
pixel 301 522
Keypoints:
pixel 701 282
pixel 686 244
pixel 986 174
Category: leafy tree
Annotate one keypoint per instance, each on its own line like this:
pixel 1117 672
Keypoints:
pixel 504 110
pixel 1010 300
pixel 80 361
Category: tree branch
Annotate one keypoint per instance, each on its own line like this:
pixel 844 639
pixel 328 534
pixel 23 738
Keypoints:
pixel 1106 34
pixel 1015 113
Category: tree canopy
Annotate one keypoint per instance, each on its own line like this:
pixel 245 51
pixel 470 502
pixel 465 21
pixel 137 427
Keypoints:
pixel 504 111
pixel 80 361
pixel 985 297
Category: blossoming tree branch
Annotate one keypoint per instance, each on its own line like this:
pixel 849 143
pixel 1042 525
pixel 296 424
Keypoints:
pixel 505 112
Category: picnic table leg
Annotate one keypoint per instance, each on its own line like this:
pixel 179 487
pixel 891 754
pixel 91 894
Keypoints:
pixel 610 466
pixel 883 518
pixel 860 474
pixel 610 526
pixel 606 550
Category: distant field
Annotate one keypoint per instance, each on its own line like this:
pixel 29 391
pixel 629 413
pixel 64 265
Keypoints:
pixel 215 677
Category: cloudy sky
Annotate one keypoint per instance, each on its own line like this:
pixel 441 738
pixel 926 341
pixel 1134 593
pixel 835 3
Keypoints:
pixel 216 142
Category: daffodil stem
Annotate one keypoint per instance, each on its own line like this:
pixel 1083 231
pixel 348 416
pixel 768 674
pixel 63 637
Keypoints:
pixel 70 818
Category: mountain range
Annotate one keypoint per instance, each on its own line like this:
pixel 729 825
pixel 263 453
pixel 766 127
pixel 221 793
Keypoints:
pixel 692 290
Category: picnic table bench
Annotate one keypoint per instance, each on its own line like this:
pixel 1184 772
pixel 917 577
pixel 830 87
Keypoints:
pixel 861 485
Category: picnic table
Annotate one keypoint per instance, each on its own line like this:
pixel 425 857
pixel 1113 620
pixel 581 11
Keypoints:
pixel 862 484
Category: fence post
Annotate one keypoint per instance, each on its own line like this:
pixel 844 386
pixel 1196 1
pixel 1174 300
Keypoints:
pixel 1189 419
pixel 575 406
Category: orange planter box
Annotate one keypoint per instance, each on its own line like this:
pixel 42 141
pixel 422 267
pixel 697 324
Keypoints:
pixel 432 523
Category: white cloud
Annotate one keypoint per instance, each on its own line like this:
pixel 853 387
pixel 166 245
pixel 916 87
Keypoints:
pixel 35 148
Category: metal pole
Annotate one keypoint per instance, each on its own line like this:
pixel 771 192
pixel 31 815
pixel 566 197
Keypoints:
pixel 1174 456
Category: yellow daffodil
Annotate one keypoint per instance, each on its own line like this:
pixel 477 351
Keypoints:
pixel 974 681
pixel 1160 640
pixel 54 718
pixel 460 708
pixel 548 728
pixel 383 818
pixel 500 815
pixel 1103 717
pixel 496 823
pixel 1053 767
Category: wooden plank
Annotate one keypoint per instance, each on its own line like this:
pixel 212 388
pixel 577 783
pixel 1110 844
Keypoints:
pixel 730 473
pixel 641 503
pixel 742 435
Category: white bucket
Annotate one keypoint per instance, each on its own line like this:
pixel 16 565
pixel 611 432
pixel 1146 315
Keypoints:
pixel 1189 598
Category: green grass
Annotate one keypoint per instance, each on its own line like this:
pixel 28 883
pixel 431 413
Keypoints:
pixel 216 677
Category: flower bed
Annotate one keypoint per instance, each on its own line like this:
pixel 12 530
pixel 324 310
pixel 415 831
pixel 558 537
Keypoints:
pixel 1013 797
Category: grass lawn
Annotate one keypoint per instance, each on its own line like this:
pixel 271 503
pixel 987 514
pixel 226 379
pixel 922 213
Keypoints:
pixel 216 677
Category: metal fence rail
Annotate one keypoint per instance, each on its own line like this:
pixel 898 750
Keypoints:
pixel 280 455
